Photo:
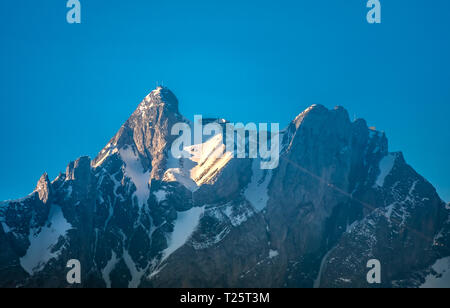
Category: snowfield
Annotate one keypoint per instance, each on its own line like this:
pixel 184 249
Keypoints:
pixel 43 241
pixel 185 225
pixel 442 279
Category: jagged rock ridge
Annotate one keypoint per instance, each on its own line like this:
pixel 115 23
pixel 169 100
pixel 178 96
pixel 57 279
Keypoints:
pixel 137 217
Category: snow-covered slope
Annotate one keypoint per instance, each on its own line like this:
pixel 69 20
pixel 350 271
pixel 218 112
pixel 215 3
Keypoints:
pixel 206 161
pixel 43 241
pixel 441 276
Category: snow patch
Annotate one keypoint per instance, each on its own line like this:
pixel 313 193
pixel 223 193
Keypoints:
pixel 257 191
pixel 205 161
pixel 211 241
pixel 43 241
pixel 69 191
pixel 106 272
pixel 135 172
pixel 185 226
pixel 156 272
pixel 157 91
pixel 161 195
pixel 6 228
pixel 386 165
pixel 442 279
pixel 110 152
pixel 179 170
pixel 237 216
pixel 136 274
pixel 211 157
pixel 351 227
pixel 273 254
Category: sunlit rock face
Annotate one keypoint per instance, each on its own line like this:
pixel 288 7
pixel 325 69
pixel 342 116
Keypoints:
pixel 135 216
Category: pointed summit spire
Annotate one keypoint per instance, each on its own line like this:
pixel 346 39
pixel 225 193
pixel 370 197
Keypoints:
pixel 160 96
pixel 43 188
pixel 147 132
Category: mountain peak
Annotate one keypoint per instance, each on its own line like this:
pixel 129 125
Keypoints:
pixel 161 96
pixel 147 132
pixel 318 111
pixel 43 188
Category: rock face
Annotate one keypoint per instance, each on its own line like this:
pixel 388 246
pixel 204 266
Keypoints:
pixel 136 216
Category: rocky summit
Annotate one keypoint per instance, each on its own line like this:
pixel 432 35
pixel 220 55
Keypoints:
pixel 135 216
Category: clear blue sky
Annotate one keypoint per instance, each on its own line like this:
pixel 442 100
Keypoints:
pixel 66 89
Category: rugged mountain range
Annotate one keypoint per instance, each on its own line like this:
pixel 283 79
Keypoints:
pixel 135 216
